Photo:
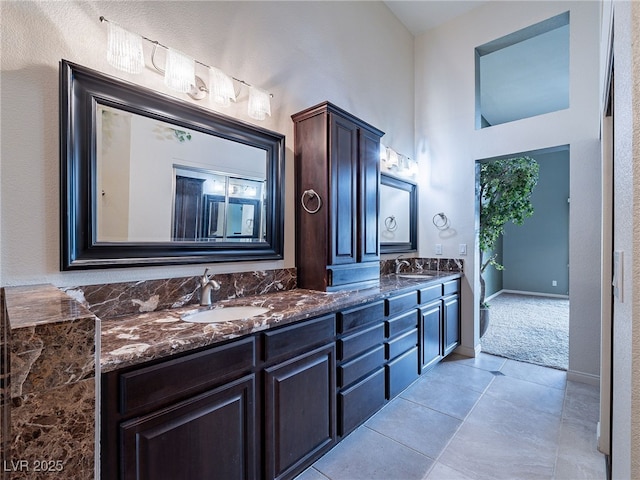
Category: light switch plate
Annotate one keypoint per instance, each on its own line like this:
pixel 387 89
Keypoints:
pixel 618 275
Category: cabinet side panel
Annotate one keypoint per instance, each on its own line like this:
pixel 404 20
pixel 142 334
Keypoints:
pixel 311 228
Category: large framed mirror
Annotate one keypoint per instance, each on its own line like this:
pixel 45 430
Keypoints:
pixel 398 215
pixel 147 179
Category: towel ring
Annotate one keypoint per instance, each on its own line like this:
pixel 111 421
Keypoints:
pixel 442 223
pixel 311 193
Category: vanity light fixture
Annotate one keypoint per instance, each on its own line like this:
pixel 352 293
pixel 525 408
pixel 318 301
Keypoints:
pixel 125 53
pixel 397 163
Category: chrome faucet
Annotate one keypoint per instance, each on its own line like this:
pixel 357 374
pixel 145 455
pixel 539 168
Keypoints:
pixel 207 284
pixel 399 264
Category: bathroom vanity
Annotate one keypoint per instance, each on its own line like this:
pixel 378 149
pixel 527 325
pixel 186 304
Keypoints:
pixel 266 396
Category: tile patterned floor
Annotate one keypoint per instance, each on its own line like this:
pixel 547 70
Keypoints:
pixel 473 419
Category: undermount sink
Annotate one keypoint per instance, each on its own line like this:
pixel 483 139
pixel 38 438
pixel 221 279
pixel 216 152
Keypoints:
pixel 224 314
pixel 419 276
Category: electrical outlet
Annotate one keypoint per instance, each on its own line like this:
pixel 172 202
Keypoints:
pixel 438 249
pixel 554 283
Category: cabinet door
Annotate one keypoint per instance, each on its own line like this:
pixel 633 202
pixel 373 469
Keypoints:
pixel 209 436
pixel 430 335
pixel 451 324
pixel 369 249
pixel 344 164
pixel 300 411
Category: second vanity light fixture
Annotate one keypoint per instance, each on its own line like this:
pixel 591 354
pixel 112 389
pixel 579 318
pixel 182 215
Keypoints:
pixel 125 53
pixel 397 163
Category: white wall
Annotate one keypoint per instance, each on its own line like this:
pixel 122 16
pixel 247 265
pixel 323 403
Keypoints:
pixel 354 54
pixel 446 141
pixel 626 336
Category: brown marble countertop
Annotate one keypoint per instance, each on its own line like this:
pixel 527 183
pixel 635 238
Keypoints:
pixel 134 339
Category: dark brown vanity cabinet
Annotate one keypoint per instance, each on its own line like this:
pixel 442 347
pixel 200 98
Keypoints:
pixel 300 396
pixel 188 417
pixel 337 191
pixel 267 405
pixel 439 322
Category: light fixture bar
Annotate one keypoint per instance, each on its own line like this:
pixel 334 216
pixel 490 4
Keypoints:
pixel 158 44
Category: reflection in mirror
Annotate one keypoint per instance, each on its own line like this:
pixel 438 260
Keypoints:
pixel 210 206
pixel 397 215
pixel 151 180
pixel 160 196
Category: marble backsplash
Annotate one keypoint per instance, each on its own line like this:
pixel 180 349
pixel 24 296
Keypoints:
pixel 127 298
pixel 417 264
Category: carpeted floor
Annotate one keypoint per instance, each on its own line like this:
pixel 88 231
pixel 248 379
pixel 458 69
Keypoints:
pixel 530 329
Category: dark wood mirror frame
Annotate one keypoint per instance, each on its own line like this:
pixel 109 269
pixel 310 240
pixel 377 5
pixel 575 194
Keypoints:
pixel 81 89
pixel 412 244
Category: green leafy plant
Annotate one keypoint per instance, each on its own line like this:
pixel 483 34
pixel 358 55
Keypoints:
pixel 505 196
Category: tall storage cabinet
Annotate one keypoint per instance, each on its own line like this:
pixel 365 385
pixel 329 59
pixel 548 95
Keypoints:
pixel 337 193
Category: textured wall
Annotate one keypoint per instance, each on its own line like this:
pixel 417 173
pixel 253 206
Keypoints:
pixel 354 54
pixel 447 139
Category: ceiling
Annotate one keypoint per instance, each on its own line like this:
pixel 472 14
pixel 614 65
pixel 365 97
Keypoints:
pixel 420 16
pixel 526 79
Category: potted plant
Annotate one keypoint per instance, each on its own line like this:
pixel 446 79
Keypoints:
pixel 505 196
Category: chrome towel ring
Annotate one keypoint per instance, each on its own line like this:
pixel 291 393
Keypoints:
pixel 311 193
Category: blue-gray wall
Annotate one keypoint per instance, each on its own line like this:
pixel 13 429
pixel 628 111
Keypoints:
pixel 537 252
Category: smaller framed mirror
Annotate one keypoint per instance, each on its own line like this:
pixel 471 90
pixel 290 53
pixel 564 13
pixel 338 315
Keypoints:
pixel 398 215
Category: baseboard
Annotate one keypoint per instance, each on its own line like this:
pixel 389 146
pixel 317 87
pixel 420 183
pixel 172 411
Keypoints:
pixel 494 295
pixel 534 294
pixel 468 351
pixel 581 377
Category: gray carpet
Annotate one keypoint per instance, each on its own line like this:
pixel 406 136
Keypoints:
pixel 530 329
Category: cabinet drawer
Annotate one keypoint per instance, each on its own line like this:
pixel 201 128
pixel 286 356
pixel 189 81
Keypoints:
pixel 360 366
pixel 402 372
pixel 356 317
pixel 352 345
pixel 401 303
pixel 402 343
pixel 361 401
pixel 292 339
pixel 451 287
pixel 161 383
pixel 402 323
pixel 430 293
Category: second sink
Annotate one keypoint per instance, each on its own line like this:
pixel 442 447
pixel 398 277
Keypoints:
pixel 419 276
pixel 224 314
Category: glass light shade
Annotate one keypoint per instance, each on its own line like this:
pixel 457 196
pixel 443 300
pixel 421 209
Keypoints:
pixel 392 159
pixel 180 71
pixel 220 87
pixel 124 50
pixel 383 153
pixel 259 104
